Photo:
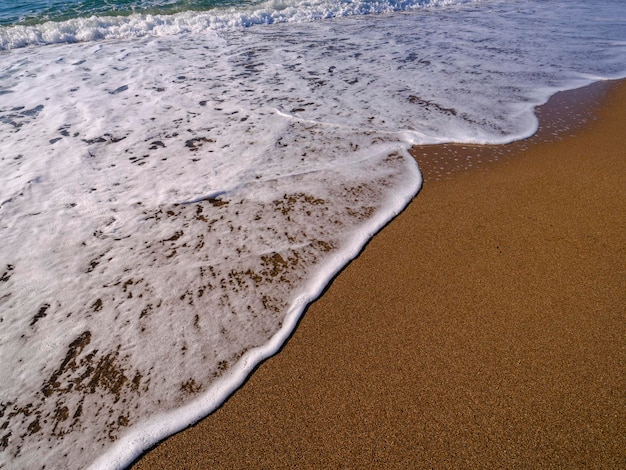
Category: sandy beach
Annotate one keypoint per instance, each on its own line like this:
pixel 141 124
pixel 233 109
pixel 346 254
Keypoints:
pixel 483 327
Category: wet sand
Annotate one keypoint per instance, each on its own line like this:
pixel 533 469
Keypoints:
pixel 484 327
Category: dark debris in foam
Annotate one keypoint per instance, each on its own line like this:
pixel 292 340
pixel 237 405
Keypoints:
pixel 90 379
pixel 43 311
pixel 119 90
pixel 84 371
pixel 104 138
pixel 18 116
pixel 197 142
pixel 431 105
pixel 8 272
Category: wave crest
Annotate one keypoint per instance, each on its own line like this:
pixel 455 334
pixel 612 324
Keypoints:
pixel 97 28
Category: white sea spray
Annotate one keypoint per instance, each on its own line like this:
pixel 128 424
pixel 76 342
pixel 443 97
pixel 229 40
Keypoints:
pixel 223 16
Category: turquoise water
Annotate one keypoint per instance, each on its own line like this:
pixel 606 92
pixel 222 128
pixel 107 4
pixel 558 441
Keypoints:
pixel 38 11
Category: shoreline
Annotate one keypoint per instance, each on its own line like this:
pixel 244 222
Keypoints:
pixel 483 326
pixel 565 113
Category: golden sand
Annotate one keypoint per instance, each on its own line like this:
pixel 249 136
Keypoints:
pixel 484 327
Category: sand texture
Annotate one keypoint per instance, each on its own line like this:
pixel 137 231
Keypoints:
pixel 484 327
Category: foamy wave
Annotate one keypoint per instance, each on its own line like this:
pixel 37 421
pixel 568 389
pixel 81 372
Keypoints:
pixel 169 205
pixel 97 28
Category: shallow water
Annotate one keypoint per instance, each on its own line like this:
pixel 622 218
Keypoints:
pixel 174 196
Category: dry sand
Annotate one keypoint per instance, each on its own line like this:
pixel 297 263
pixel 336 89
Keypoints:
pixel 484 327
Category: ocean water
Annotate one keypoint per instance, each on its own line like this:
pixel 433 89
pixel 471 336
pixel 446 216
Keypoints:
pixel 180 179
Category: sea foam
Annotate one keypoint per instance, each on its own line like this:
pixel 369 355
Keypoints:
pixel 92 27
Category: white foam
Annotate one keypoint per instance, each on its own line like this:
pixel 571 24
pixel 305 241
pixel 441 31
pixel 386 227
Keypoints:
pixel 219 19
pixel 170 205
